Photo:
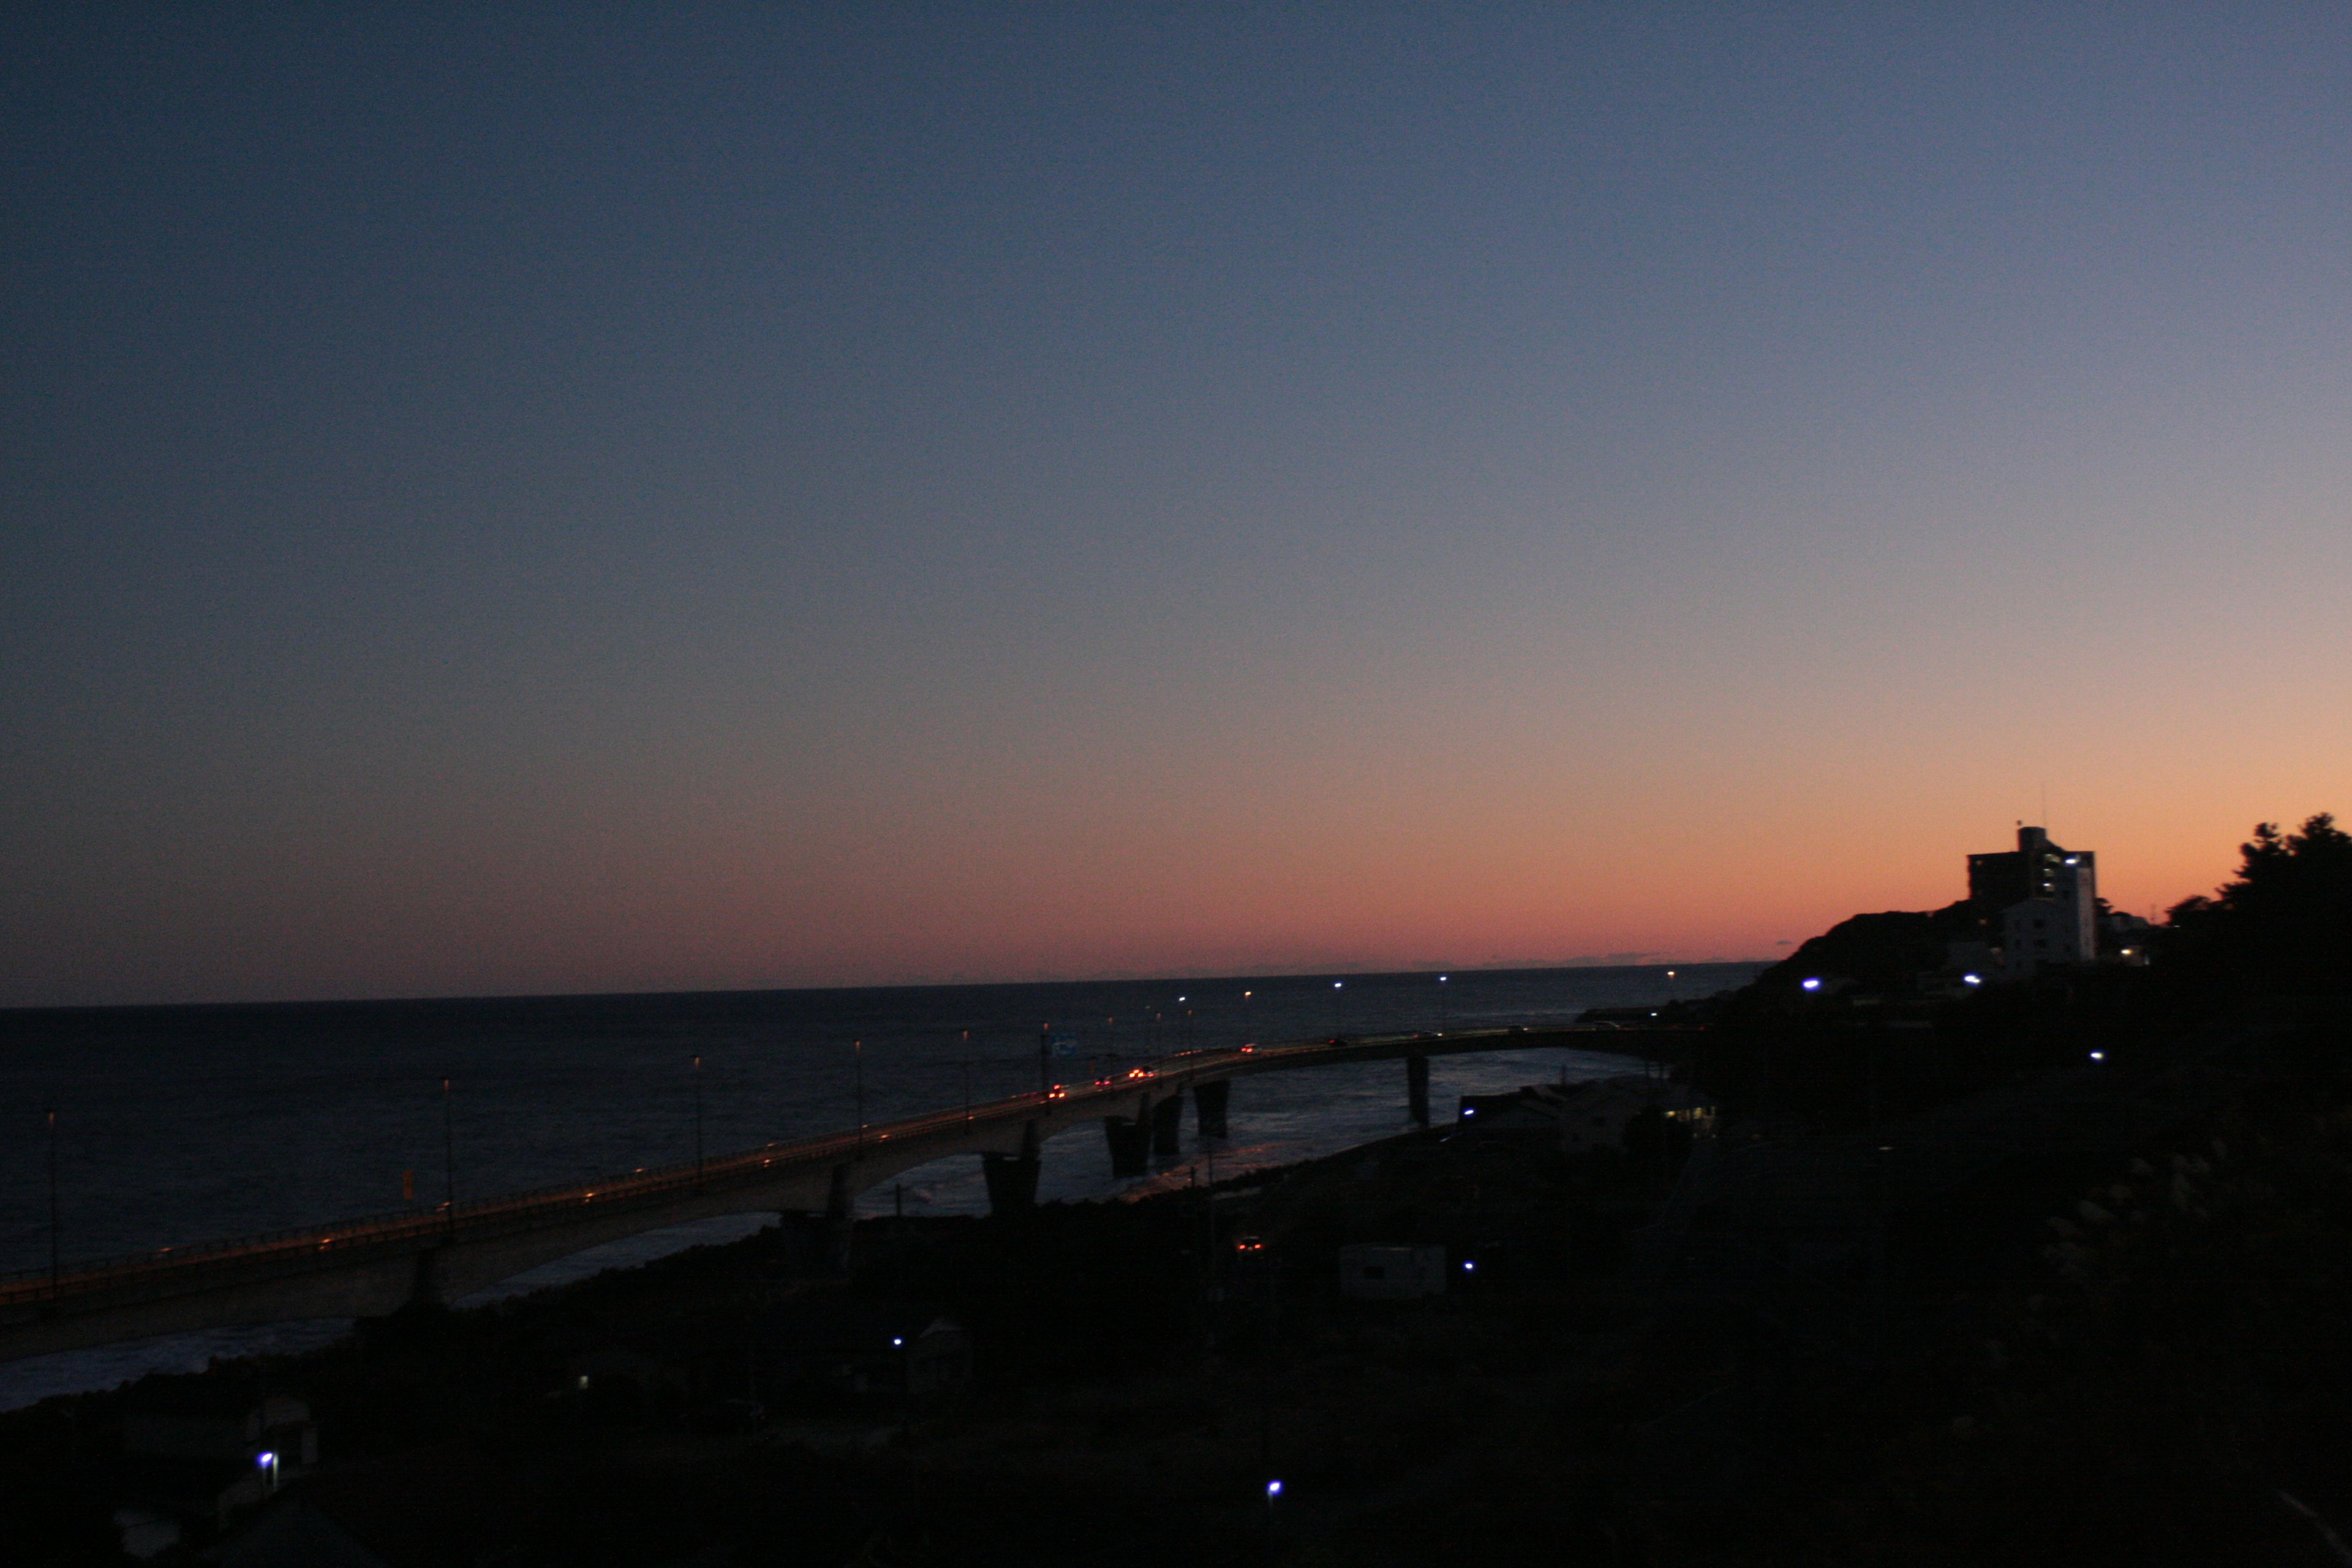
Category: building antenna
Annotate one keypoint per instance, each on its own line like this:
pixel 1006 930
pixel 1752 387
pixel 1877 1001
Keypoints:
pixel 2045 807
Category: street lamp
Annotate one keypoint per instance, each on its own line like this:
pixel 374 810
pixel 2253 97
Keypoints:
pixel 449 1154
pixel 1336 985
pixel 1440 1002
pixel 697 1120
pixel 54 1270
pixel 858 1059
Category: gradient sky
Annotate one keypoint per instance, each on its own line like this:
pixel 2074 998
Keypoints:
pixel 674 497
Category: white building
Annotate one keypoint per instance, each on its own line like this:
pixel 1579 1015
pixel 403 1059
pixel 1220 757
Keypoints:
pixel 2041 898
pixel 2060 929
pixel 1374 1273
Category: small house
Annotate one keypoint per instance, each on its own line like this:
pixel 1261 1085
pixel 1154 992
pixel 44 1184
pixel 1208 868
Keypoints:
pixel 197 1444
pixel 1588 1116
pixel 845 1346
pixel 1376 1273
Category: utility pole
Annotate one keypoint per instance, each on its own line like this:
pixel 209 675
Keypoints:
pixel 1440 1002
pixel 54 1232
pixel 449 1154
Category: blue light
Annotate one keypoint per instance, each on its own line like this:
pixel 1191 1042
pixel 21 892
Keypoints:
pixel 1812 985
pixel 1973 979
pixel 1468 1266
pixel 1274 1489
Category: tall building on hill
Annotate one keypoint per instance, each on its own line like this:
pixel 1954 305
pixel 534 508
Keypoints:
pixel 2039 900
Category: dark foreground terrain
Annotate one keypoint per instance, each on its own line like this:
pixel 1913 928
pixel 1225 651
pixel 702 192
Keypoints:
pixel 2075 1352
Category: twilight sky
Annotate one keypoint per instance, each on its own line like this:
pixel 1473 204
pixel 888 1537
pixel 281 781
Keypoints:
pixel 673 497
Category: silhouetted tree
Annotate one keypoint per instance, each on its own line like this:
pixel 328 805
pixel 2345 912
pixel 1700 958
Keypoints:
pixel 2286 918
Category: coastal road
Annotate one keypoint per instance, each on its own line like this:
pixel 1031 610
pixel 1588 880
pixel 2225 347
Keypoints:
pixel 372 1266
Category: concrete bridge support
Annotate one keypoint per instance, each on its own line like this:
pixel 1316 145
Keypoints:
pixel 1167 1125
pixel 1209 1098
pixel 1130 1144
pixel 840 1217
pixel 427 1291
pixel 1012 1177
pixel 1011 1182
pixel 1416 1088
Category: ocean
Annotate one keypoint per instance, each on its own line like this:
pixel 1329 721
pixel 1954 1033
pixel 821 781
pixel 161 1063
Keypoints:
pixel 183 1124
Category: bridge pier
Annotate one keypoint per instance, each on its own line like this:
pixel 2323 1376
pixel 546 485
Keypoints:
pixel 1209 1098
pixel 1167 1125
pixel 1416 1088
pixel 1012 1178
pixel 1130 1144
pixel 840 1218
pixel 1011 1182
pixel 426 1294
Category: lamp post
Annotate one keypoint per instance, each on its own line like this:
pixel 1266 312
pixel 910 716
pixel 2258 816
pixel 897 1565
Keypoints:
pixel 1440 1002
pixel 448 1155
pixel 1337 986
pixel 697 1120
pixel 54 1231
pixel 1249 1018
pixel 857 1060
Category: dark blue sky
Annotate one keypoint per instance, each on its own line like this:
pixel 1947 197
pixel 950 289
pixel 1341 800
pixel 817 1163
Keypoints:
pixel 593 498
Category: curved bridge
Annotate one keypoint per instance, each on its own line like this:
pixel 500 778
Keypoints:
pixel 371 1268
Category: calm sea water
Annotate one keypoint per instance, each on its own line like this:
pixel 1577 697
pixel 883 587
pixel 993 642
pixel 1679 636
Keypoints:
pixel 183 1124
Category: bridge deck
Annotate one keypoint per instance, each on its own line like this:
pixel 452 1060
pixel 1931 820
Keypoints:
pixel 648 1199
